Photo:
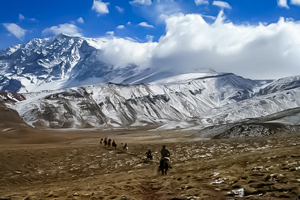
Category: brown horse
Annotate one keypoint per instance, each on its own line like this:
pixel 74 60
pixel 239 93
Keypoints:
pixel 164 166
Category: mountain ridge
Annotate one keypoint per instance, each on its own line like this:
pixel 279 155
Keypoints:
pixel 61 82
pixel 197 104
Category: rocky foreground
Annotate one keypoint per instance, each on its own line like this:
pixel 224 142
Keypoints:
pixel 76 166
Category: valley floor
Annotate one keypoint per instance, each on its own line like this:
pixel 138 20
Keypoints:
pixel 57 165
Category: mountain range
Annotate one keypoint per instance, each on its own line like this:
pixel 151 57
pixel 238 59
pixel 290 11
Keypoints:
pixel 62 82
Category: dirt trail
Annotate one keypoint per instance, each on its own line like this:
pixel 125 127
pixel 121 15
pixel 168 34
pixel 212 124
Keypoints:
pixel 75 166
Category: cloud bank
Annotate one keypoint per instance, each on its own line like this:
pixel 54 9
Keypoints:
pixel 190 44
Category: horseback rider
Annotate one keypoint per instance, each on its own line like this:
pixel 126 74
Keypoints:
pixel 125 147
pixel 114 144
pixel 165 155
pixel 149 155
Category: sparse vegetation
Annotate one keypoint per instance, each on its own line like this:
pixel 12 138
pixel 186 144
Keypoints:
pixel 75 166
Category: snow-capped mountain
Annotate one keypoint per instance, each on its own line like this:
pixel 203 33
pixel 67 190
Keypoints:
pixel 61 82
pixel 197 103
pixel 56 63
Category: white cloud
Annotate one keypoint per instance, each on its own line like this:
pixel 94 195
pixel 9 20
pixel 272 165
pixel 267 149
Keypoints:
pixel 127 51
pixel 121 10
pixel 282 3
pixel 80 20
pixel 201 2
pixel 149 38
pixel 15 30
pixel 120 27
pixel 221 4
pixel 209 17
pixel 21 17
pixel 162 11
pixel 145 24
pixel 164 1
pixel 110 33
pixel 100 7
pixel 257 52
pixel 264 51
pixel 295 2
pixel 142 2
pixel 69 29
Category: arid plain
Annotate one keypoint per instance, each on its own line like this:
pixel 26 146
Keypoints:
pixel 52 164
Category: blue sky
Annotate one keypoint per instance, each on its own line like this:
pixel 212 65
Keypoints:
pixel 256 39
pixel 137 19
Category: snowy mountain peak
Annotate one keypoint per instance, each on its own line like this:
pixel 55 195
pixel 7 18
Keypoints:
pixel 52 63
pixel 65 61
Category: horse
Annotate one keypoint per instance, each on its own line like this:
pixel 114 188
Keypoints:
pixel 164 166
pixel 149 155
pixel 114 144
pixel 125 148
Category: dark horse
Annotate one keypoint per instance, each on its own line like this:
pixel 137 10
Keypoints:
pixel 164 166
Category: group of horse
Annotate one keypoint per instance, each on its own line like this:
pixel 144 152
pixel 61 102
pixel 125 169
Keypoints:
pixel 163 164
pixel 112 143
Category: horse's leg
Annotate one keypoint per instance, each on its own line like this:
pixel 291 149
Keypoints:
pixel 161 167
pixel 166 167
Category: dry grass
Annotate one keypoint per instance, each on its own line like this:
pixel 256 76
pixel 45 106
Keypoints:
pixel 72 165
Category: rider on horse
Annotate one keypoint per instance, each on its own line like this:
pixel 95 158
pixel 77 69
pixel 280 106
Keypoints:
pixel 149 155
pixel 165 155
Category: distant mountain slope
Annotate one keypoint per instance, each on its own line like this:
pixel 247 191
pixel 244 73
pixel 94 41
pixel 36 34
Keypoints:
pixel 196 104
